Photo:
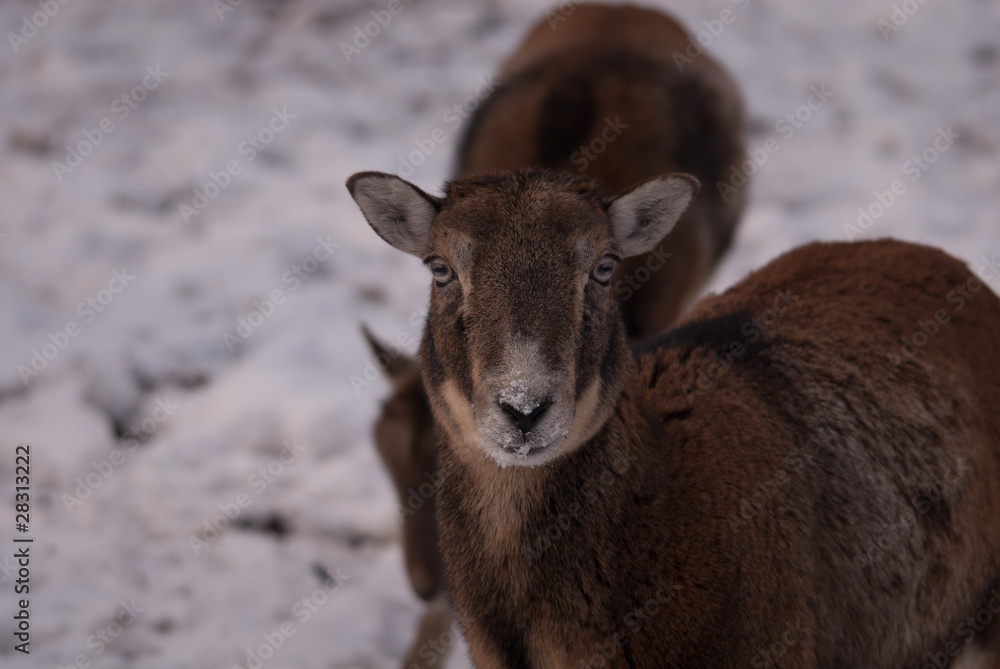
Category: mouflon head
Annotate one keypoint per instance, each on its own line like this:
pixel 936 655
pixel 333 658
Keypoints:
pixel 524 355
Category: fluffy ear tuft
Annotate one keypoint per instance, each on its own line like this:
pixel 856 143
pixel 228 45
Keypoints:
pixel 397 210
pixel 644 214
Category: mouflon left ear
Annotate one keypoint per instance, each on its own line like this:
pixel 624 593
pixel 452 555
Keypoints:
pixel 644 214
pixel 397 210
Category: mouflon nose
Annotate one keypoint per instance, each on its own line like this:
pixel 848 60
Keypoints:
pixel 526 421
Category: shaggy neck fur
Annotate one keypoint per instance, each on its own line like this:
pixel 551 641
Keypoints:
pixel 508 528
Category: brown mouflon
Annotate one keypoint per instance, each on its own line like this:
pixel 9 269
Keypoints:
pixel 778 479
pixel 599 97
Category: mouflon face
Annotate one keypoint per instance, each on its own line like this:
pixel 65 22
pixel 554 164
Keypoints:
pixel 524 355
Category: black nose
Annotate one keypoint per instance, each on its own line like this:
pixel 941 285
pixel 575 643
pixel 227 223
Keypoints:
pixel 526 421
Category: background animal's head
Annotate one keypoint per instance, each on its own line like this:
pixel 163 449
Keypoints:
pixel 524 355
pixel 404 437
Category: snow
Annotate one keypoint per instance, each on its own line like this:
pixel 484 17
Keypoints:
pixel 231 368
pixel 516 396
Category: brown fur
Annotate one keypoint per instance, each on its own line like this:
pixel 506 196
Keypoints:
pixel 678 469
pixel 600 63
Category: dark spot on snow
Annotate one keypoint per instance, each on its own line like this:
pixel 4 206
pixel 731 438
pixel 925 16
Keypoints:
pixel 187 291
pixel 16 391
pixel 322 574
pixel 486 25
pixel 273 523
pixel 346 14
pixel 327 19
pixel 189 379
pixel 164 626
pixel 272 9
pixel 359 130
pixel 418 104
pixel 242 79
pixel 984 55
pixel 372 294
pixel 145 382
pixel 971 138
pixel 119 428
pixel 28 142
pixel 897 85
pixel 275 158
pixel 756 126
pixel 360 540
pixel 147 203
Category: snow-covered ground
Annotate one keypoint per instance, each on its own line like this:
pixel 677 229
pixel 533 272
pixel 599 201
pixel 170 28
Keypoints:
pixel 170 355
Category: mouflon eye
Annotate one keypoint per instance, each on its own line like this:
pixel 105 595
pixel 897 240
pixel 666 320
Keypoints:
pixel 441 272
pixel 603 270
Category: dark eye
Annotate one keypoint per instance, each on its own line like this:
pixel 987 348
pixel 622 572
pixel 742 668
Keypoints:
pixel 603 270
pixel 442 273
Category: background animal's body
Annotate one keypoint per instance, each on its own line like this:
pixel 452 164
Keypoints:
pixel 600 95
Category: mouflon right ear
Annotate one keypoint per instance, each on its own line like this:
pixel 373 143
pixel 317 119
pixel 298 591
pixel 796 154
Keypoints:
pixel 644 214
pixel 397 210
